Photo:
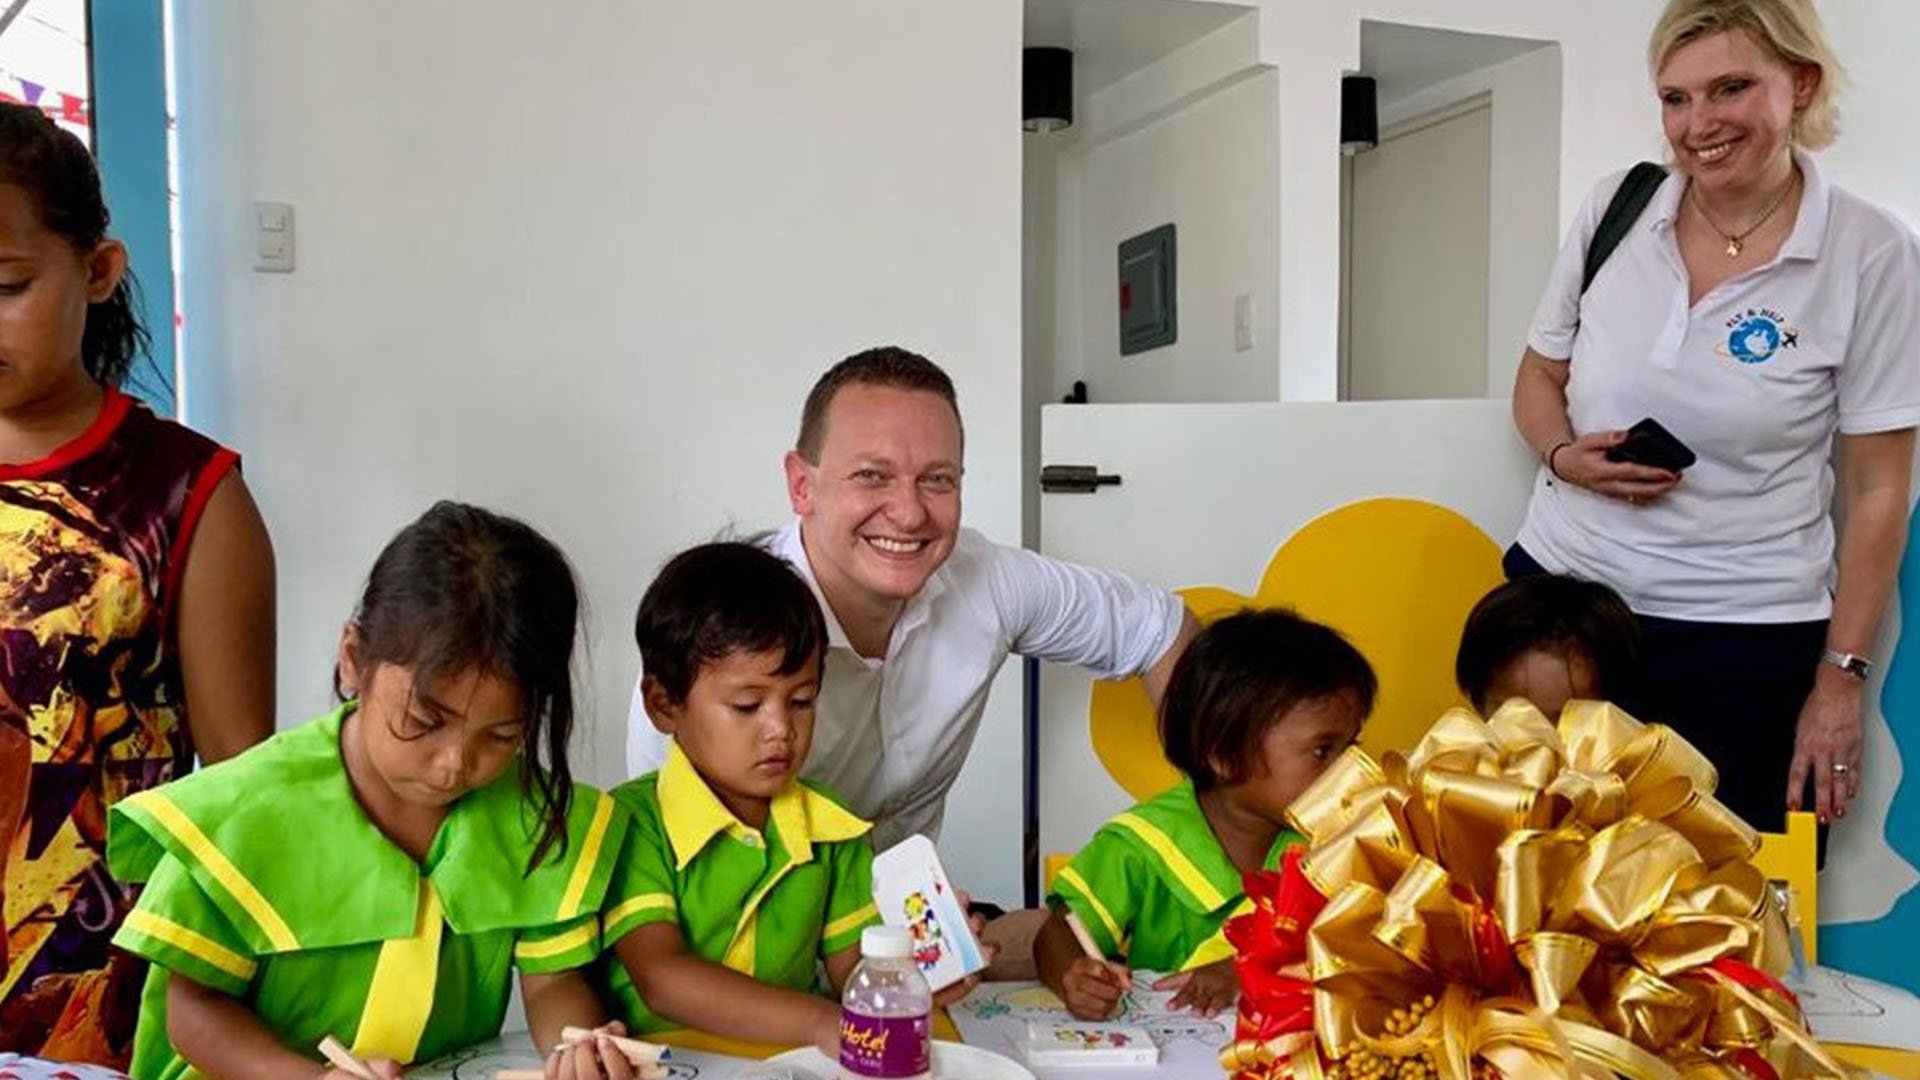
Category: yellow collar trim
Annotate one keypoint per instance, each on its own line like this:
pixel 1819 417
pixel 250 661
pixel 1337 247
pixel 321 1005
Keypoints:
pixel 800 816
pixel 181 827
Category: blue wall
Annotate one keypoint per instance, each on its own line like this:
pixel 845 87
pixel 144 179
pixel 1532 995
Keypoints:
pixel 1887 948
pixel 130 138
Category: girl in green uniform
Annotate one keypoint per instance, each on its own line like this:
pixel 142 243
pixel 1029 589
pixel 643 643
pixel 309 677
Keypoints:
pixel 376 875
pixel 1256 708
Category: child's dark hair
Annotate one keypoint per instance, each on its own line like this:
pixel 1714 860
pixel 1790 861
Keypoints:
pixel 1240 676
pixel 464 588
pixel 1555 614
pixel 720 598
pixel 57 174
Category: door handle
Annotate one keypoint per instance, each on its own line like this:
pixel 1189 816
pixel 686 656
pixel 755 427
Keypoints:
pixel 1074 479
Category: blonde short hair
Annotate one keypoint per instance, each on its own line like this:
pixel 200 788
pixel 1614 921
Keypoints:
pixel 1790 29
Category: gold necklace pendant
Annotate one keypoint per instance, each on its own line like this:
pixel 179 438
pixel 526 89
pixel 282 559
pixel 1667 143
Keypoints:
pixel 1737 242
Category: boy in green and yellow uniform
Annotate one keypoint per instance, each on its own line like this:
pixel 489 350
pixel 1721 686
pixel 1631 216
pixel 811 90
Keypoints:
pixel 378 874
pixel 1256 708
pixel 739 881
pixel 773 904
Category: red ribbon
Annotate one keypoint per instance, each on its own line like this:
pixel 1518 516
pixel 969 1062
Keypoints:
pixel 1272 937
pixel 1749 1061
pixel 1753 978
pixel 1498 973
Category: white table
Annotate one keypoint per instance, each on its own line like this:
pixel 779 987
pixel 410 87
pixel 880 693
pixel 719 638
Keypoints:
pixel 1841 1008
pixel 515 1050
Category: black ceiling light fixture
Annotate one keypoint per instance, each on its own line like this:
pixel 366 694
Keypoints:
pixel 1046 93
pixel 1359 114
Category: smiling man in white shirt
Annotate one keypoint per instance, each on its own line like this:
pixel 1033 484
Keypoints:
pixel 921 612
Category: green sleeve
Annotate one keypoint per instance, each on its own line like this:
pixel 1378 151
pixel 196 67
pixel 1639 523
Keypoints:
pixel 543 950
pixel 1103 886
pixel 850 906
pixel 1286 840
pixel 178 927
pixel 644 886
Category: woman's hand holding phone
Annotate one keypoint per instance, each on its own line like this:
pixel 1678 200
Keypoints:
pixel 1585 462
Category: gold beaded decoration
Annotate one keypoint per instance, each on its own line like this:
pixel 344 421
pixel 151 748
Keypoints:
pixel 1363 1063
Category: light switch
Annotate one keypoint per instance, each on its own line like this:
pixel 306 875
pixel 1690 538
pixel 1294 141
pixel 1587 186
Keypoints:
pixel 1243 322
pixel 273 237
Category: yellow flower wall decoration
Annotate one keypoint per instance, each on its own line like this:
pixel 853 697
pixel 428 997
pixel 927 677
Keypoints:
pixel 1396 576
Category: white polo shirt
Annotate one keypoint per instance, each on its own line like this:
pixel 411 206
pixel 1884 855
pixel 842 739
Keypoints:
pixel 1756 378
pixel 890 735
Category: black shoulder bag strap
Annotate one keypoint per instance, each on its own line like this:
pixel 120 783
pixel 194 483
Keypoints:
pixel 1628 202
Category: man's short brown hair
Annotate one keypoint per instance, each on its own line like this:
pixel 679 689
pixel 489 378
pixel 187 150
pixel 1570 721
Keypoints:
pixel 888 365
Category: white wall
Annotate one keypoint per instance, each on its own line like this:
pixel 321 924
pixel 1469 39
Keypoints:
pixel 1876 154
pixel 1523 223
pixel 1212 171
pixel 1417 261
pixel 1199 137
pixel 1607 113
pixel 1188 140
pixel 582 267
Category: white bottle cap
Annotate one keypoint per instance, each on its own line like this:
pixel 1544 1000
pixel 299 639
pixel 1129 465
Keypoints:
pixel 885 943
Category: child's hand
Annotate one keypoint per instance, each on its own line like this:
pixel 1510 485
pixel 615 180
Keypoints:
pixel 954 993
pixel 990 950
pixel 591 1059
pixel 1206 990
pixel 1091 988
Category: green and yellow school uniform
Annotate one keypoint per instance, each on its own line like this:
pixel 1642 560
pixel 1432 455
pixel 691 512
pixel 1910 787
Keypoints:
pixel 769 903
pixel 1154 886
pixel 266 881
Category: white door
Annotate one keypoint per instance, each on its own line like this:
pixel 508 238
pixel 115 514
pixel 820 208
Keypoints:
pixel 1417 276
pixel 1207 495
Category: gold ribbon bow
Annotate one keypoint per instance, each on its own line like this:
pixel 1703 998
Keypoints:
pixel 1521 899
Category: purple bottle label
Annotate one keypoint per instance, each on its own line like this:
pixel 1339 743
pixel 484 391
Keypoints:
pixel 884 1046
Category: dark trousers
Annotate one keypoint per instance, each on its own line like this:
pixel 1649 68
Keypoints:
pixel 1734 690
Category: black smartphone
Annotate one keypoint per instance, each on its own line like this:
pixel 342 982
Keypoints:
pixel 1648 443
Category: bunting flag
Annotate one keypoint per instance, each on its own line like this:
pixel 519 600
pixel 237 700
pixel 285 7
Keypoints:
pixel 70 109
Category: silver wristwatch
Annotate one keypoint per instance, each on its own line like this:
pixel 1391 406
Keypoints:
pixel 1857 666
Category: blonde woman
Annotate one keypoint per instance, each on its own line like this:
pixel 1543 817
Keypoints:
pixel 1771 322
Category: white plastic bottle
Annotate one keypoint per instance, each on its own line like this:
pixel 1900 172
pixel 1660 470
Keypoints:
pixel 886 1013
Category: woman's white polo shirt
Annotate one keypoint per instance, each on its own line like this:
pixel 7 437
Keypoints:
pixel 1757 378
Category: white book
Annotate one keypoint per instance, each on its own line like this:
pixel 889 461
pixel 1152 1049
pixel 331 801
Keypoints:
pixel 1056 1045
pixel 912 892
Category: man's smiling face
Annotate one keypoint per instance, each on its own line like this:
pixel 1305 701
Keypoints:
pixel 881 506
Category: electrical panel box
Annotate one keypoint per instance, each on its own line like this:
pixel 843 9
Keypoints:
pixel 1148 318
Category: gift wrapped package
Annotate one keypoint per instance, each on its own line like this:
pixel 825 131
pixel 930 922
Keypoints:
pixel 1519 899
